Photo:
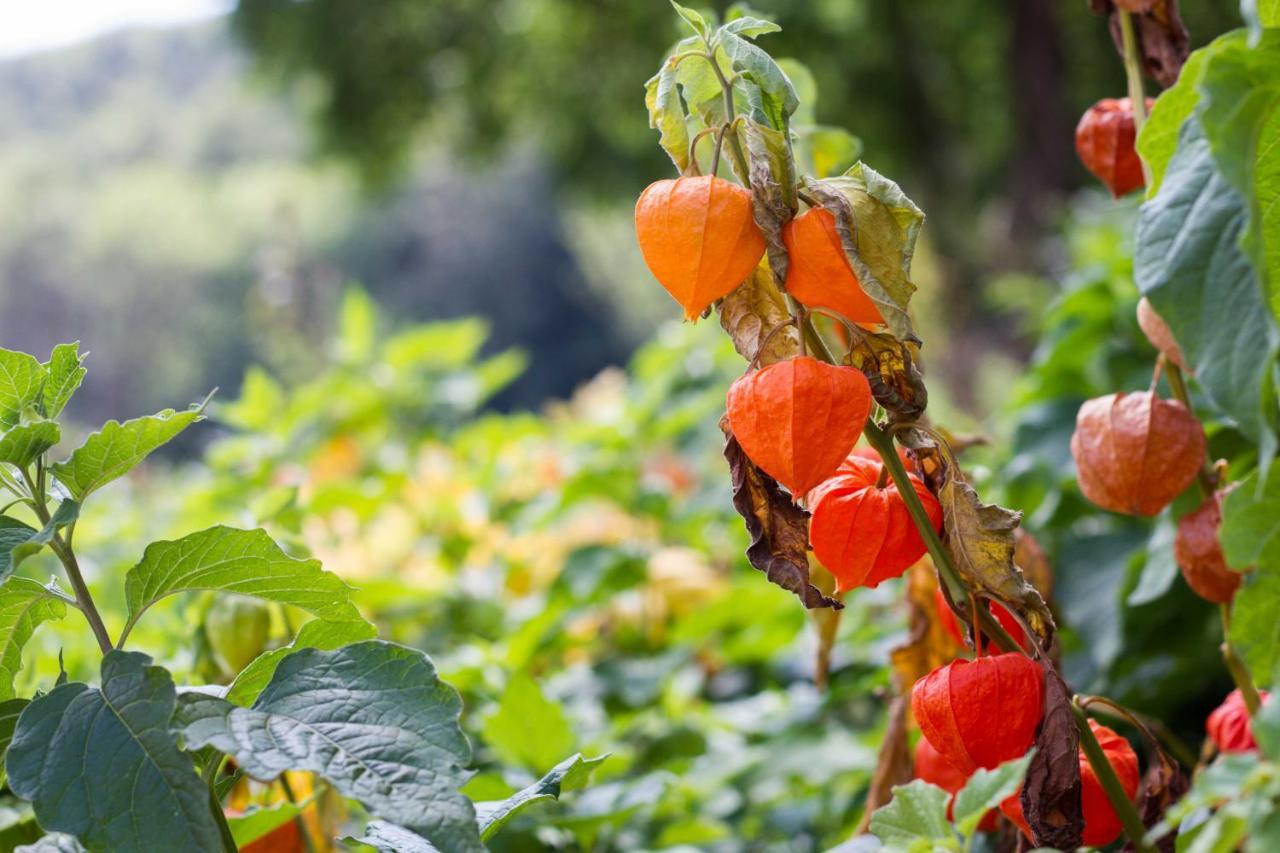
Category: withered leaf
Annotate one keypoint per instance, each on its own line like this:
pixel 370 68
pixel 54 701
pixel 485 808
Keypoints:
pixel 1051 792
pixel 878 226
pixel 1163 785
pixel 1163 41
pixel 752 312
pixel 980 539
pixel 928 644
pixel 773 192
pixel 889 366
pixel 894 765
pixel 779 529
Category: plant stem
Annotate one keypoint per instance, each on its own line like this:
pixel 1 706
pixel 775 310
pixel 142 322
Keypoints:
pixel 220 818
pixel 1106 775
pixel 1133 74
pixel 1239 672
pixel 301 824
pixel 735 147
pixel 1178 385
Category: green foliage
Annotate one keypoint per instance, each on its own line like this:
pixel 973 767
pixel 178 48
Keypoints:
pixel 118 447
pixel 569 775
pixel 24 605
pixel 527 729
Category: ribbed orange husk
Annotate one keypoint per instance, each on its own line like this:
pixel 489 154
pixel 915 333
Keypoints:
pixel 931 767
pixel 1229 727
pixel 1158 333
pixel 1101 824
pixel 798 419
pixel 863 534
pixel 1135 452
pixel 1104 141
pixel 951 624
pixel 1198 552
pixel 957 707
pixel 698 237
pixel 818 271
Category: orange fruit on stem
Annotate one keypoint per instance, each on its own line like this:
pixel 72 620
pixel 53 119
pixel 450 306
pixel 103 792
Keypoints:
pixel 1158 333
pixel 950 624
pixel 818 270
pixel 861 530
pixel 1104 141
pixel 931 767
pixel 1198 552
pixel 1135 452
pixel 1229 726
pixel 698 237
pixel 798 419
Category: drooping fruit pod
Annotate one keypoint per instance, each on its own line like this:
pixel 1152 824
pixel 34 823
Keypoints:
pixel 1198 552
pixel 1101 823
pixel 861 530
pixel 982 712
pixel 798 419
pixel 933 768
pixel 1104 141
pixel 698 238
pixel 1135 452
pixel 1229 726
pixel 951 624
pixel 818 270
pixel 1159 333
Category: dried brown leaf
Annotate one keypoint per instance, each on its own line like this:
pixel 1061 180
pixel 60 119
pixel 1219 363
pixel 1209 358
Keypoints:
pixel 1051 792
pixel 889 365
pixel 1163 41
pixel 779 529
pixel 752 313
pixel 772 189
pixel 1163 785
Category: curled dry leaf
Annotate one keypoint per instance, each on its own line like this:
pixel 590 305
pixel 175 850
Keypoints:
pixel 980 539
pixel 754 316
pixel 1163 785
pixel 893 766
pixel 773 183
pixel 889 365
pixel 779 529
pixel 1051 793
pixel 928 644
pixel 1163 41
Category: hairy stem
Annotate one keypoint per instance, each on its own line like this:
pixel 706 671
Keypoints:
pixel 1106 775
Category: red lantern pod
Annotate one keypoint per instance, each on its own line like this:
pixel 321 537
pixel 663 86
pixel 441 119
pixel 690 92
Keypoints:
pixel 698 237
pixel 950 624
pixel 1101 823
pixel 931 767
pixel 818 270
pixel 1104 141
pixel 1198 552
pixel 1229 726
pixel 798 419
pixel 983 712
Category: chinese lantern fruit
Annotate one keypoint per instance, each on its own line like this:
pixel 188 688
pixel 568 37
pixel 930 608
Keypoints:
pixel 698 238
pixel 818 271
pixel 1199 553
pixel 950 624
pixel 798 419
pixel 1101 824
pixel 861 530
pixel 1158 333
pixel 957 706
pixel 936 770
pixel 1104 141
pixel 1229 726
pixel 1135 452
pixel 238 628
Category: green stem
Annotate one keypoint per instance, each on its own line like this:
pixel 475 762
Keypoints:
pixel 1239 672
pixel 1133 75
pixel 220 818
pixel 1106 775
pixel 735 146
pixel 1178 385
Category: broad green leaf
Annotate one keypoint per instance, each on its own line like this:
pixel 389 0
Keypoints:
pixel 21 378
pixel 117 447
pixel 986 790
pixel 692 18
pixel 761 69
pixel 749 27
pixel 388 837
pixel 10 710
pixel 19 541
pixel 316 634
pixel 917 812
pixel 528 729
pixel 666 113
pixel 1250 533
pixel 570 774
pixel 1159 568
pixel 1260 14
pixel 372 718
pixel 24 604
pixel 21 445
pixel 1266 728
pixel 1159 137
pixel 1189 263
pixel 103 765
pixel 1255 630
pixel 257 822
pixel 58 842
pixel 247 562
pixel 65 371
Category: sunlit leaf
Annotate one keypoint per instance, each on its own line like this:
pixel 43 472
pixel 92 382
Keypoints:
pixel 118 447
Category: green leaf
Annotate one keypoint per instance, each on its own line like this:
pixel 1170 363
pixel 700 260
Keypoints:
pixel 762 70
pixel 1189 263
pixel 24 604
pixel 749 27
pixel 316 634
pixel 1260 14
pixel 1255 631
pixel 10 710
pixel 257 822
pixel 1250 534
pixel 58 842
pixel 570 774
pixel 1266 728
pixel 917 812
pixel 666 113
pixel 247 562
pixel 19 541
pixel 102 764
pixel 372 718
pixel 388 837
pixel 986 790
pixel 1159 568
pixel 65 370
pixel 528 729
pixel 21 378
pixel 21 445
pixel 118 447
pixel 692 18
pixel 1159 137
